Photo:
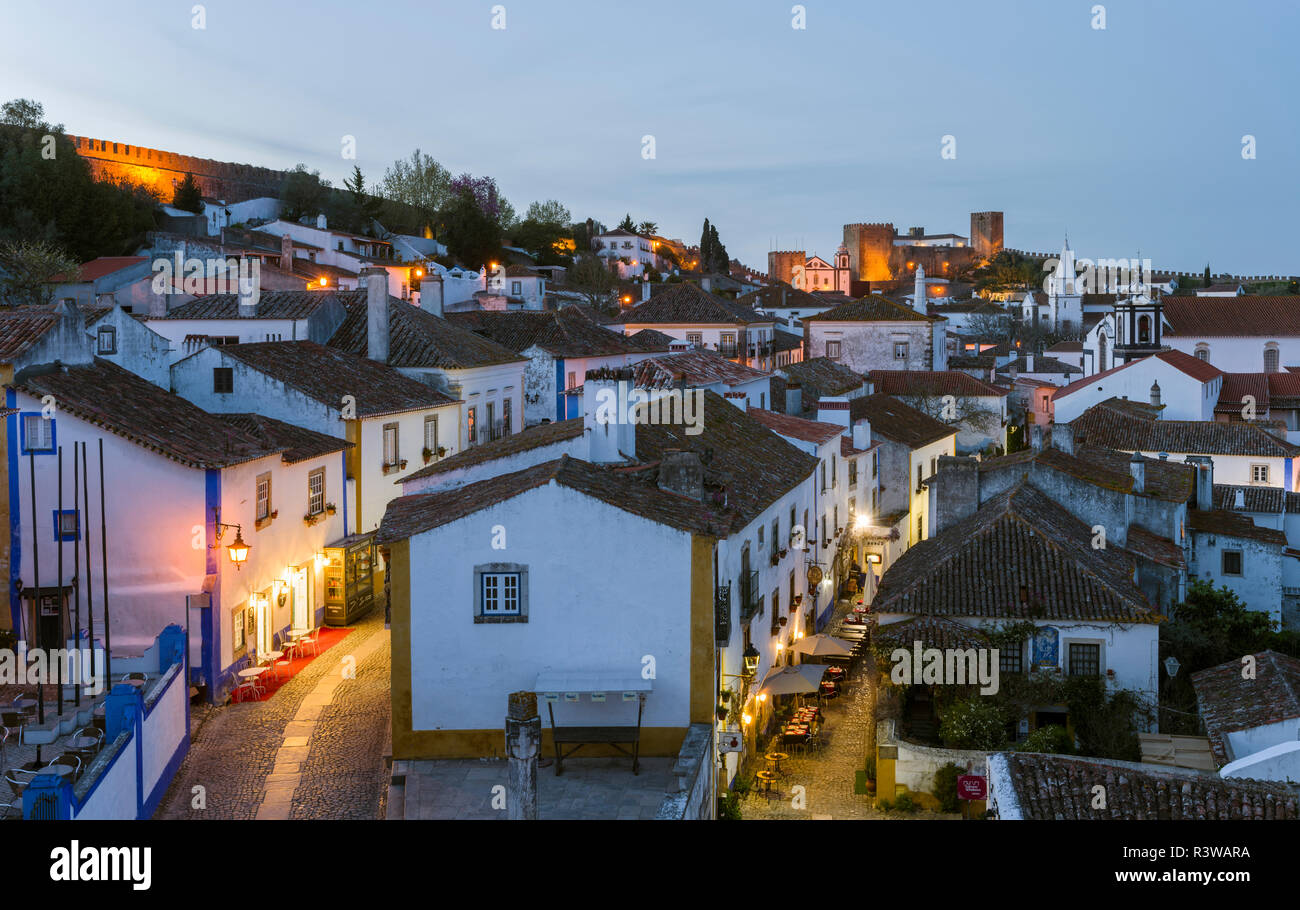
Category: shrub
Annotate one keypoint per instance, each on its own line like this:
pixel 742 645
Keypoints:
pixel 945 787
pixel 729 808
pixel 1053 738
pixel 975 723
pixel 905 802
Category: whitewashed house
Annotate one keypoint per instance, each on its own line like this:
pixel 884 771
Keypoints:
pixel 1251 709
pixel 1182 386
pixel 1239 334
pixel 395 424
pixel 705 321
pixel 977 409
pixel 877 334
pixel 220 319
pixel 180 485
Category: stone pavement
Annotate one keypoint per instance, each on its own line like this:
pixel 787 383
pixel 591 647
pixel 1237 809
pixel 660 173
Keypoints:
pixel 589 788
pixel 298 753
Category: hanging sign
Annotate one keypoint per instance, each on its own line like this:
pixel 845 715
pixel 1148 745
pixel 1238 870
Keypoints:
pixel 597 696
pixel 572 696
pixel 629 696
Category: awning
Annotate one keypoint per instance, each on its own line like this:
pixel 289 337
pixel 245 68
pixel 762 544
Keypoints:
pixel 555 682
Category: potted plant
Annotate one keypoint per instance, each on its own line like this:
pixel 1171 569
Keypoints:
pixel 871 775
pixel 783 620
pixel 331 508
pixel 428 454
pixel 442 451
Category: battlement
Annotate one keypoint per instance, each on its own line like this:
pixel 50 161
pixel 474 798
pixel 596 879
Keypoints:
pixel 160 171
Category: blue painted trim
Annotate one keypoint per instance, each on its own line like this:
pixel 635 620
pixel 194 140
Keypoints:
pixel 1286 470
pixel 138 733
pixel 54 517
pixel 211 628
pixel 169 770
pixel 560 409
pixel 15 516
pixel 54 434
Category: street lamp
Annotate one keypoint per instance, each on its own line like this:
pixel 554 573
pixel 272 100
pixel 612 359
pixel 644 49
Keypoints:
pixel 751 661
pixel 238 550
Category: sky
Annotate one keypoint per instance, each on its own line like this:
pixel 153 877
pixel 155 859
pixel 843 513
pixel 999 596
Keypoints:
pixel 1128 138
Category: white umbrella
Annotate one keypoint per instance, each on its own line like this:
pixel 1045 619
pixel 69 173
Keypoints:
pixel 799 680
pixel 822 645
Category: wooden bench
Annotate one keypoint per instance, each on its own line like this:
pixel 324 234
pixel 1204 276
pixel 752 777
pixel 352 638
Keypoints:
pixel 618 737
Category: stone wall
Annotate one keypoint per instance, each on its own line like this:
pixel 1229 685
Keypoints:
pixel 906 767
pixel 692 793
pixel 161 171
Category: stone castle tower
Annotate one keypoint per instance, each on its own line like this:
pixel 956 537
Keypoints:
pixel 986 233
pixel 781 264
pixel 870 247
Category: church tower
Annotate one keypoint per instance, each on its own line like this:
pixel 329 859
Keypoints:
pixel 1139 321
pixel 1065 294
pixel 842 275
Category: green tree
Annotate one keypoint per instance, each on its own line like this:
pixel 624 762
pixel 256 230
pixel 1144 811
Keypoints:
pixel 47 192
pixel 420 183
pixel 706 246
pixel 647 228
pixel 472 236
pixel 29 268
pixel 1205 279
pixel 552 211
pixel 543 240
pixel 974 723
pixel 303 194
pixel 188 196
pixel 593 279
pixel 627 224
pixel 360 208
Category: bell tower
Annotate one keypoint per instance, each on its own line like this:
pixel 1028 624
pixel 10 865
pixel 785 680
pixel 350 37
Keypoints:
pixel 1139 323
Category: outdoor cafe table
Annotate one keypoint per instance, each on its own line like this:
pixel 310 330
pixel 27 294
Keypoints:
pixel 776 758
pixel 60 770
pixel 768 778
pixel 251 672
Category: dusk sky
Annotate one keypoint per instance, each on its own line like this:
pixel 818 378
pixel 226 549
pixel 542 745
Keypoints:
pixel 1129 138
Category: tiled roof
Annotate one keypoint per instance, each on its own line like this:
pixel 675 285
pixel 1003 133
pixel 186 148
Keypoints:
pixel 1066 347
pixel 1194 367
pixel 327 374
pixel 1171 481
pixel 870 309
pixel 686 304
pixel 271 305
pixel 694 368
pixel 419 512
pixel 108 396
pixel 1255 499
pixel 22 327
pixel 1269 390
pixel 1020 555
pixel 299 444
pixel 756 466
pixel 105 265
pixel 1155 548
pixel 1226 317
pixel 931 632
pixel 417 338
pixel 566 333
pixel 822 376
pixel 1042 364
pixel 781 296
pixel 786 341
pixel 1059 787
pixel 532 438
pixel 932 382
pixel 1117 427
pixel 651 340
pixel 1228 702
pixel 897 421
pixel 1232 524
pixel 798 428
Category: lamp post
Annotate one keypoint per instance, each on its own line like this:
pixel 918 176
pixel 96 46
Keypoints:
pixel 238 550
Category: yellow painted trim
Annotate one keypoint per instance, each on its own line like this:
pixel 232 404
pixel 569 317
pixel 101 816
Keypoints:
pixel 704 679
pixel 352 432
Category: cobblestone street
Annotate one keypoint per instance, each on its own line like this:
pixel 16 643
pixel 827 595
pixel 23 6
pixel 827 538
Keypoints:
pixel 314 749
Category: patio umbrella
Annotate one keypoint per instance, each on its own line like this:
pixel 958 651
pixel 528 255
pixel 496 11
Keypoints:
pixel 800 680
pixel 822 645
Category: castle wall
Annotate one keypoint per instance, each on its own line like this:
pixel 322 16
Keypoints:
pixel 781 264
pixel 160 171
pixel 986 233
pixel 871 248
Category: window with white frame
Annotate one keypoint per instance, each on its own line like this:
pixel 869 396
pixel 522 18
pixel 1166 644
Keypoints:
pixel 832 350
pixel 1259 473
pixel 316 492
pixel 501 592
pixel 900 350
pixel 263 497
pixel 391 453
pixel 106 340
pixel 38 433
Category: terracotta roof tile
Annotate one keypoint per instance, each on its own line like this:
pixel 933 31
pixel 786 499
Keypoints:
pixel 687 304
pixel 566 333
pixel 932 382
pixel 870 309
pixel 1020 555
pixel 532 438
pixel 1229 702
pixel 420 339
pixel 694 368
pixel 298 443
pixel 1232 524
pixel 327 374
pixel 798 428
pixel 1227 317
pixel 1057 787
pixel 821 376
pixel 1116 426
pixel 897 421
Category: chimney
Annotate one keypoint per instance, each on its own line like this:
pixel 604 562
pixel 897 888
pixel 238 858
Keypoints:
pixel 794 399
pixel 706 284
pixel 376 283
pixel 1029 363
pixel 918 292
pixel 247 301
pixel 1063 438
pixel 682 472
pixel 286 253
pixel 431 293
pixel 1137 466
pixel 1239 498
pixel 834 409
pixel 1204 467
pixel 862 434
pixel 608 417
pixel 645 289
pixel 954 491
pixel 321 224
pixel 1155 394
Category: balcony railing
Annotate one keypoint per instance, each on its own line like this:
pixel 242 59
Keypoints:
pixel 722 615
pixel 748 595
